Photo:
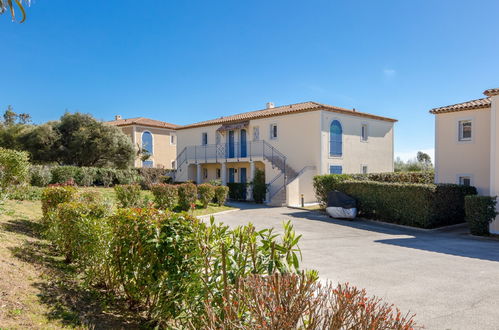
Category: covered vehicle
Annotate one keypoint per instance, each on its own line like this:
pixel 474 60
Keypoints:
pixel 340 205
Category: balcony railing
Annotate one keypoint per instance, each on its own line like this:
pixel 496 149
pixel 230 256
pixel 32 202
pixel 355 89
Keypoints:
pixel 232 151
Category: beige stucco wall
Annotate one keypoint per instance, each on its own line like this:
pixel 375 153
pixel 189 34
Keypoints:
pixel 376 152
pixel 454 158
pixel 163 151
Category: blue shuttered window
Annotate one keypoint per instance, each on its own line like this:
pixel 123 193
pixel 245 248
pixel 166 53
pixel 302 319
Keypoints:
pixel 147 142
pixel 335 139
pixel 335 169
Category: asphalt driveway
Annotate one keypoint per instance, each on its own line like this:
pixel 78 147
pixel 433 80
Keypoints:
pixel 449 279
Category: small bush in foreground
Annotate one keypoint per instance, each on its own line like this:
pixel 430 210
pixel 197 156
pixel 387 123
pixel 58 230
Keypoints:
pixel 187 195
pixel 206 193
pixel 221 193
pixel 165 195
pixel 480 212
pixel 291 301
pixel 128 195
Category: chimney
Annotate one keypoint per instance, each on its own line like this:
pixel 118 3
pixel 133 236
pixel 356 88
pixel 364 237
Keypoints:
pixel 117 117
pixel 270 105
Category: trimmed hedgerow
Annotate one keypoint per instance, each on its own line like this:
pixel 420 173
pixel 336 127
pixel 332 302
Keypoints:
pixel 423 177
pixel 62 174
pixel 165 195
pixel 221 194
pixel 323 184
pixel 418 205
pixel 40 175
pixel 206 193
pixel 480 212
pixel 187 195
pixel 237 190
pixel 128 195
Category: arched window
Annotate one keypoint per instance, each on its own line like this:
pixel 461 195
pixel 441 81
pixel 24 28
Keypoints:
pixel 335 139
pixel 147 142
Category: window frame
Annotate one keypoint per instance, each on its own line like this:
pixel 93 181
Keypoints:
pixel 330 154
pixel 362 166
pixel 364 127
pixel 142 141
pixel 336 166
pixel 256 129
pixel 464 176
pixel 459 135
pixel 148 160
pixel 203 135
pixel 173 139
pixel 205 173
pixel 273 127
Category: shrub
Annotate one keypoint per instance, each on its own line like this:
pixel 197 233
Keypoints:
pixel 149 176
pixel 237 190
pixel 480 212
pixel 26 193
pixel 187 195
pixel 14 168
pixel 154 255
pixel 423 177
pixel 67 229
pixel 426 206
pixel 128 195
pixel 323 184
pixel 130 176
pixel 259 187
pixel 53 196
pixel 221 193
pixel 165 195
pixel 41 175
pixel 62 174
pixel 106 176
pixel 85 176
pixel 289 301
pixel 206 193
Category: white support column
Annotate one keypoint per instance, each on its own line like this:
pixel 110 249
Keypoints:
pixel 249 195
pixel 198 173
pixel 223 174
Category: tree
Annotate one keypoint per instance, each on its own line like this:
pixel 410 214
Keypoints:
pixel 84 141
pixel 42 142
pixel 11 5
pixel 9 116
pixel 424 159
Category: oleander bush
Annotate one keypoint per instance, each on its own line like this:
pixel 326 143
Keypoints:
pixel 299 301
pixel 41 175
pixel 221 194
pixel 128 195
pixel 53 196
pixel 187 195
pixel 165 195
pixel 480 212
pixel 206 194
pixel 418 205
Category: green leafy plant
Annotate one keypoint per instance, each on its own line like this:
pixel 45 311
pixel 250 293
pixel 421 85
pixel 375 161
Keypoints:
pixel 187 195
pixel 259 187
pixel 14 172
pixel 41 175
pixel 480 212
pixel 165 195
pixel 323 184
pixel 206 193
pixel 128 195
pixel 53 196
pixel 62 174
pixel 237 190
pixel 221 194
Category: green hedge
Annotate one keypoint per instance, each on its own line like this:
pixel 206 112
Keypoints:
pixel 94 176
pixel 326 183
pixel 480 212
pixel 417 205
pixel 424 177
pixel 237 190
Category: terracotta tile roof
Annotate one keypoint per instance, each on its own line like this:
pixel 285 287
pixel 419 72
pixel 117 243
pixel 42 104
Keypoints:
pixel 284 110
pixel 470 105
pixel 491 92
pixel 143 122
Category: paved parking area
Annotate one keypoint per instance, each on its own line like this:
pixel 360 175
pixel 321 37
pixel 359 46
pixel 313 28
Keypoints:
pixel 449 279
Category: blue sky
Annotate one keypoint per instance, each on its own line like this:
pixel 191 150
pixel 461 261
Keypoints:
pixel 186 61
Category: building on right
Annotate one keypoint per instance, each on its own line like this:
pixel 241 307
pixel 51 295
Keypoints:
pixel 467 145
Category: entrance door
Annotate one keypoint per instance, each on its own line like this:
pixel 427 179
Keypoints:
pixel 231 144
pixel 243 140
pixel 231 175
pixel 243 178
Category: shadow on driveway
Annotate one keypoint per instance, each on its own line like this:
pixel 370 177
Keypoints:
pixel 438 240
